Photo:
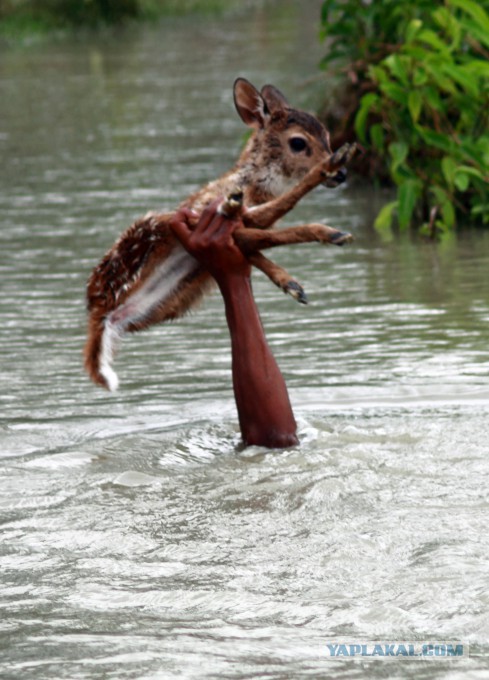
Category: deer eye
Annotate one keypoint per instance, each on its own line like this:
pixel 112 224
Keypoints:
pixel 297 144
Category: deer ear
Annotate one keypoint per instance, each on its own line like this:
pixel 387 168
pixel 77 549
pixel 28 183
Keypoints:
pixel 250 104
pixel 274 99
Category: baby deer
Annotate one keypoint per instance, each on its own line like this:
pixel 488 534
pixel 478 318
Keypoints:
pixel 147 277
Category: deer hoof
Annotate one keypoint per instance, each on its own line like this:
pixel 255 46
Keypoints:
pixel 343 155
pixel 340 238
pixel 296 291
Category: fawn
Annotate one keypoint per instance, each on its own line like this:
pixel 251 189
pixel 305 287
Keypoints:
pixel 147 277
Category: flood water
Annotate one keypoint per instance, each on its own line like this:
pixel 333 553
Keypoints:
pixel 137 540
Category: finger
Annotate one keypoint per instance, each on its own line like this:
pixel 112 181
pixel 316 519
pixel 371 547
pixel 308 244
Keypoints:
pixel 221 228
pixel 207 216
pixel 228 226
pixel 187 215
pixel 180 228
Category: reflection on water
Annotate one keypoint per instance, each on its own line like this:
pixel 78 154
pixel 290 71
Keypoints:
pixel 137 539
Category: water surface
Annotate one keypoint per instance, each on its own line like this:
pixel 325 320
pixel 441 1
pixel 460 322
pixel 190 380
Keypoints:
pixel 137 539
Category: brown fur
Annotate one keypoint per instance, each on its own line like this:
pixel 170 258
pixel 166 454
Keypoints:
pixel 272 178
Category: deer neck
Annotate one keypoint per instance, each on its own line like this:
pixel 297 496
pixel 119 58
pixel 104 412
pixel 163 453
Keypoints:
pixel 260 183
pixel 258 180
pixel 255 184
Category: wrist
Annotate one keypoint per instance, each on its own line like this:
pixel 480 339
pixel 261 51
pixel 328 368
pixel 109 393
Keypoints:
pixel 233 282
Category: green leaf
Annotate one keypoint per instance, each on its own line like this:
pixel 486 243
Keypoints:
pixel 436 139
pixel 378 74
pixel 436 70
pixel 431 38
pixel 475 10
pixel 471 151
pixel 444 18
pixel 449 168
pixel 394 92
pixel 434 100
pixel 448 214
pixel 417 52
pixel 366 105
pixel 477 67
pixel 463 175
pixel 474 172
pixel 419 76
pixel 462 181
pixel 413 28
pixel 414 104
pixel 444 202
pixel 328 6
pixel 383 221
pixel 475 31
pixel 482 210
pixel 398 152
pixel 398 67
pixel 408 196
pixel 377 136
pixel 463 78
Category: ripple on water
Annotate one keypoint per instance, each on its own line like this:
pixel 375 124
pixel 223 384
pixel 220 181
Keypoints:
pixel 137 538
pixel 345 536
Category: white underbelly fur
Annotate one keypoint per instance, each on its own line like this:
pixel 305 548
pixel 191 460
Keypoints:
pixel 159 286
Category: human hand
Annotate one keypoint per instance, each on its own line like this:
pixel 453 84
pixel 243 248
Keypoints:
pixel 211 241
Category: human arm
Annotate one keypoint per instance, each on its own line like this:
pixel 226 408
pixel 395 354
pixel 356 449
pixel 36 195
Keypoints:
pixel 264 410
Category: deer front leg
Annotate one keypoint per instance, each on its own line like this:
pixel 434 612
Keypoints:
pixel 263 216
pixel 252 240
pixel 279 276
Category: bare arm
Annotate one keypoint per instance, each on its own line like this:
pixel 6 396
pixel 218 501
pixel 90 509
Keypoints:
pixel 264 410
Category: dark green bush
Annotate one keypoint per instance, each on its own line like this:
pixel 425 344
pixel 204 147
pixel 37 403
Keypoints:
pixel 49 14
pixel 91 12
pixel 69 12
pixel 423 104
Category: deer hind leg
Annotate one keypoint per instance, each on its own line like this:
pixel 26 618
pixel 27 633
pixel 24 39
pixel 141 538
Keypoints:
pixel 252 240
pixel 279 276
pixel 263 216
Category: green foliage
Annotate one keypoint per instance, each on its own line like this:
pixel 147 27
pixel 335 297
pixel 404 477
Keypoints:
pixel 425 70
pixel 48 14
pixel 91 12
pixel 22 17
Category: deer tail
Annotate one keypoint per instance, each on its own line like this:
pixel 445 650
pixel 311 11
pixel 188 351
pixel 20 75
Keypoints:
pixel 100 348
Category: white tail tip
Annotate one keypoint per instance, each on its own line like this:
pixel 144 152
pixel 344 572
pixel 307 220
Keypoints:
pixel 110 377
pixel 110 339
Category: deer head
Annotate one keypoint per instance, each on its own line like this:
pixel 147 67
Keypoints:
pixel 286 142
